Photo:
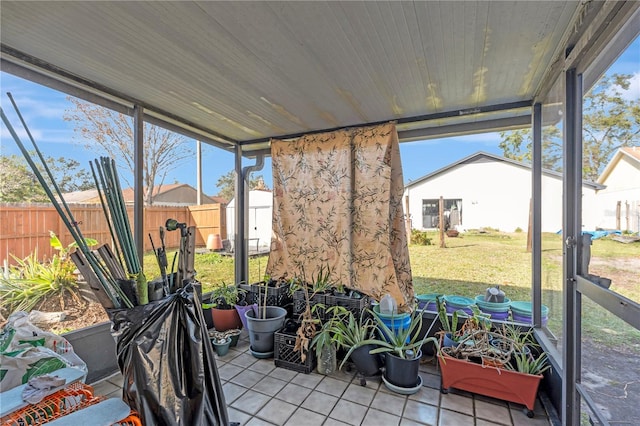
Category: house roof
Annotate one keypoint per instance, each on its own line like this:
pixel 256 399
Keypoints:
pixel 220 200
pixel 631 153
pixel 89 196
pixel 482 156
pixel 128 193
pixel 239 73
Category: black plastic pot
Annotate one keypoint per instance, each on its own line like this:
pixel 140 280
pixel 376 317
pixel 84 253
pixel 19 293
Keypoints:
pixel 401 372
pixel 208 318
pixel 366 363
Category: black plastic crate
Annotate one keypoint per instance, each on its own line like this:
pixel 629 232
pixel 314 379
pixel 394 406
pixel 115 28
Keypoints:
pixel 355 306
pixel 300 303
pixel 286 357
pixel 276 296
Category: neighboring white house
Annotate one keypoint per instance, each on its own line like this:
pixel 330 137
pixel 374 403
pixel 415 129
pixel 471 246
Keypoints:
pixel 486 190
pixel 620 200
pixel 260 219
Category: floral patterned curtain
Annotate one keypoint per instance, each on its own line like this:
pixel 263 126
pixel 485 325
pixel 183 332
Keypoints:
pixel 338 204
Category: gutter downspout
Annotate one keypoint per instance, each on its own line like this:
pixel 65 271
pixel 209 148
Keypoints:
pixel 241 242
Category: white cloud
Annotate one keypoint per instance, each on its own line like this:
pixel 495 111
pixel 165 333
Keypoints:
pixel 633 94
pixel 41 136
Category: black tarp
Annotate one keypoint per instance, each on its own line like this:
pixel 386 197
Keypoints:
pixel 170 375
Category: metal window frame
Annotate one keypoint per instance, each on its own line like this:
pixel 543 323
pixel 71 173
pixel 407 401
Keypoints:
pixel 571 229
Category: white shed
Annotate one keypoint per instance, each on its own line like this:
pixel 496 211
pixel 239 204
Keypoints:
pixel 260 219
pixel 486 190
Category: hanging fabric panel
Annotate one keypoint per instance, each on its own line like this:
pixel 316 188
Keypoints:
pixel 338 204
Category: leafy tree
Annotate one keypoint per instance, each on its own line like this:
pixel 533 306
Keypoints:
pixel 113 133
pixel 610 121
pixel 69 175
pixel 226 183
pixel 518 144
pixel 18 183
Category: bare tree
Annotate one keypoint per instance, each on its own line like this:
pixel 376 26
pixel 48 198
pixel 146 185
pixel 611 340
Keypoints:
pixel 113 133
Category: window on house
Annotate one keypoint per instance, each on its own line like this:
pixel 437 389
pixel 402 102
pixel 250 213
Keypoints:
pixel 452 213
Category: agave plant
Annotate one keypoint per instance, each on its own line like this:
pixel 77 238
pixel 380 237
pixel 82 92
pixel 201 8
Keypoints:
pixel 404 343
pixel 31 282
pixel 348 332
pixel 529 365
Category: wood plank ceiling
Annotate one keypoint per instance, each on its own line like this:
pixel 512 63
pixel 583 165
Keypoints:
pixel 248 71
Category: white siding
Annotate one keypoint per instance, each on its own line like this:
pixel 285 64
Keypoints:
pixel 494 194
pixel 260 219
pixel 622 184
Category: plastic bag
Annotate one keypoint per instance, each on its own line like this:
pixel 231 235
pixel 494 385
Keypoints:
pixel 170 376
pixel 27 351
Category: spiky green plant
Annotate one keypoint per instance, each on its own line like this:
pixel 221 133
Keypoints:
pixel 529 365
pixel 31 282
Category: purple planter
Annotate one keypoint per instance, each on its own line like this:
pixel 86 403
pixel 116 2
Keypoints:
pixel 527 319
pixel 431 306
pixel 452 309
pixel 241 311
pixel 500 316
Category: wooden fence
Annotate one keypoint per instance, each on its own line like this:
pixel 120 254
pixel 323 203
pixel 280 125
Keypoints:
pixel 25 228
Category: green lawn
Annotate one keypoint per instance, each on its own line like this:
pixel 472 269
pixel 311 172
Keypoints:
pixel 470 264
pixel 473 262
pixel 212 269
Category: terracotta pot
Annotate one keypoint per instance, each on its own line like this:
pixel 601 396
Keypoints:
pixel 225 319
pixel 489 381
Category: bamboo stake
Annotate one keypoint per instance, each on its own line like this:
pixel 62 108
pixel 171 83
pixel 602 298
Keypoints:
pixel 69 220
pixel 108 191
pixel 125 217
pixel 106 214
pixel 109 285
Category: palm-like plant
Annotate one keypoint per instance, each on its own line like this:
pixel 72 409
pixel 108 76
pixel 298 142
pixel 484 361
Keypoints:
pixel 350 333
pixel 404 343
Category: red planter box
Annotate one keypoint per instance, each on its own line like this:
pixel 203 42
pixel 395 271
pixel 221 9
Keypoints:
pixel 489 381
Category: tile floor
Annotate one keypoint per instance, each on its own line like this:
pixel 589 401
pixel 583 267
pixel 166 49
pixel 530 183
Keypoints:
pixel 258 393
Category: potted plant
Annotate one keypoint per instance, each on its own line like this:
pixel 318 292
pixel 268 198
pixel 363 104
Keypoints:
pixel 221 343
pixel 242 306
pixel 206 312
pixel 325 348
pixel 262 323
pixel 401 348
pixel 483 366
pixel 311 333
pixel 351 335
pixel 322 280
pixel 449 329
pixel 223 300
pixel 234 334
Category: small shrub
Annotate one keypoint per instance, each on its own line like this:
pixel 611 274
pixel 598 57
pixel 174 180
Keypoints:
pixel 420 238
pixel 518 229
pixel 32 282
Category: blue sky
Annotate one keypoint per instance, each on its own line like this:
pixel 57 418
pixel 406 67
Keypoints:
pixel 43 110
